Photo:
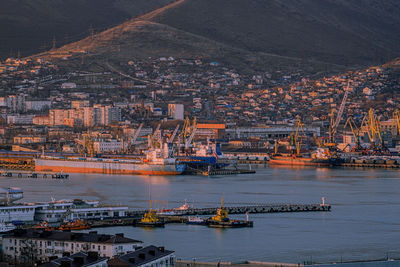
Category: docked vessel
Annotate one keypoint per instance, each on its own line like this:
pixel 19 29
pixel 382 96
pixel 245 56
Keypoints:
pixel 74 225
pixel 320 158
pixel 70 210
pixel 221 219
pixel 157 162
pixel 6 227
pixel 150 219
pixel 11 212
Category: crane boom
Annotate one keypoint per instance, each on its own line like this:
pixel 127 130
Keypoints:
pixel 154 135
pixel 188 141
pixel 136 135
pixel 174 134
pixel 342 105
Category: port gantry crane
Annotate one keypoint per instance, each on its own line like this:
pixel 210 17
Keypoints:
pixel 371 124
pixel 156 136
pixel 396 120
pixel 335 123
pixel 355 131
pixel 293 138
pixel 171 139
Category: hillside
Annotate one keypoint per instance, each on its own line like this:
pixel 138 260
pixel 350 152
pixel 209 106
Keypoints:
pixel 346 32
pixel 311 35
pixel 29 26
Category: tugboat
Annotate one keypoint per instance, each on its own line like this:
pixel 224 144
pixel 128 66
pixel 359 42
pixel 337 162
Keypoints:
pixel 150 219
pixel 44 226
pixel 74 225
pixel 221 220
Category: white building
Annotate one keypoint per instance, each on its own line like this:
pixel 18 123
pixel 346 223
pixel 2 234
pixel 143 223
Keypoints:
pixel 146 257
pixel 40 245
pixel 20 119
pixel 109 145
pixel 37 105
pixel 57 211
pixel 176 111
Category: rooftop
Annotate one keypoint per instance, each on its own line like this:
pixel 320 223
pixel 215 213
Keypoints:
pixel 92 236
pixel 139 257
pixel 79 259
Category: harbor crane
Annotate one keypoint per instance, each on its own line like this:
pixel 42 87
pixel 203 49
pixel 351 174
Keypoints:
pixel 294 143
pixel 171 139
pixel 355 131
pixel 136 135
pixel 396 120
pixel 371 124
pixel 334 124
pixel 190 139
pixel 154 136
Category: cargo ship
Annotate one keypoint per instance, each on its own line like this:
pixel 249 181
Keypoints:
pixel 320 158
pixel 156 162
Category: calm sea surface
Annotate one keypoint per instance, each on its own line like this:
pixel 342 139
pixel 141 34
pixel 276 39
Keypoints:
pixel 364 221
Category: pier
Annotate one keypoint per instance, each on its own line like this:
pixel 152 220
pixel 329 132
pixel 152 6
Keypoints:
pixel 370 165
pixel 33 174
pixel 261 208
pixel 258 209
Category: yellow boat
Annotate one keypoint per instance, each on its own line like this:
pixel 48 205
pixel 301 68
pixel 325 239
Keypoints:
pixel 221 219
pixel 150 219
pixel 74 225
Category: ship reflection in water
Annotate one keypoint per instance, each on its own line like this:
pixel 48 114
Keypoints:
pixel 362 224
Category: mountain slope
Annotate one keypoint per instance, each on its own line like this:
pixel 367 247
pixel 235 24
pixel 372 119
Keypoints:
pixel 262 35
pixel 139 39
pixel 347 32
pixel 30 26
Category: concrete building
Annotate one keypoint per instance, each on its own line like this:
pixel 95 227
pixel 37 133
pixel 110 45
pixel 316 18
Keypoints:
pixel 147 257
pixel 41 120
pixel 22 245
pixel 176 111
pixel 29 139
pixel 272 132
pixel 78 104
pixel 20 119
pixel 37 105
pixel 57 116
pixel 105 115
pixel 16 103
pixel 110 145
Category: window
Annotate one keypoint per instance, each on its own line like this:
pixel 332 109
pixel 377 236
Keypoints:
pixel 104 247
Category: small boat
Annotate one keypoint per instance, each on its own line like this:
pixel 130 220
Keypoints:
pixel 175 211
pixel 221 219
pixel 150 219
pixel 74 225
pixel 185 206
pixel 195 220
pixel 44 226
pixel 4 228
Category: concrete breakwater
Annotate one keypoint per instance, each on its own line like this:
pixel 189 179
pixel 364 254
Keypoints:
pixel 262 208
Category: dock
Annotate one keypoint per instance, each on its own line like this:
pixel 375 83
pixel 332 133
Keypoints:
pixel 33 174
pixel 226 172
pixel 261 208
pixel 258 209
pixel 370 165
